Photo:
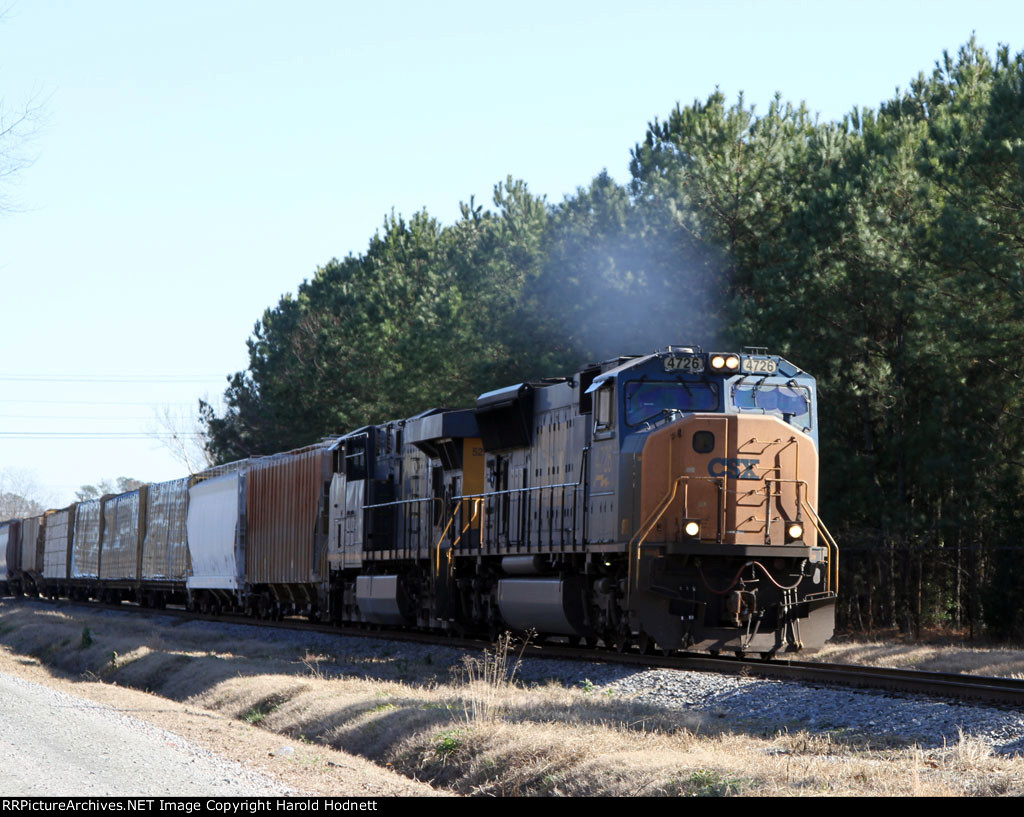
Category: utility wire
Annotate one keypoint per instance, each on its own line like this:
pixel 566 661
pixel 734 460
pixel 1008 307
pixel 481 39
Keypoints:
pixel 93 435
pixel 126 378
pixel 154 403
pixel 105 419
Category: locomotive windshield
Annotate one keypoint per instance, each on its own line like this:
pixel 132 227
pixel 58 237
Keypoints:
pixel 793 404
pixel 648 400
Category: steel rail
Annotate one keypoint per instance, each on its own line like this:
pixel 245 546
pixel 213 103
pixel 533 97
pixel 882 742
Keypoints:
pixel 981 688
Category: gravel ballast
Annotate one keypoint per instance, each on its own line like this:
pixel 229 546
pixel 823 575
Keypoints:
pixel 752 705
pixel 759 705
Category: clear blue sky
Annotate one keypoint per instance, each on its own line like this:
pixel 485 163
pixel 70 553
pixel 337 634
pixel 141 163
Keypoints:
pixel 200 159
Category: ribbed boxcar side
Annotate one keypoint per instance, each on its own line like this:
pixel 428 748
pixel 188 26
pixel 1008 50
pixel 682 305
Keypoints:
pixel 286 545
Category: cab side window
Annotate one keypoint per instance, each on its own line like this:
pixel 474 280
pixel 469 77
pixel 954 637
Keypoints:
pixel 604 408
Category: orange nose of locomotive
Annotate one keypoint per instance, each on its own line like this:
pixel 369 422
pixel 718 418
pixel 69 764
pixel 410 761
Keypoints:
pixel 731 480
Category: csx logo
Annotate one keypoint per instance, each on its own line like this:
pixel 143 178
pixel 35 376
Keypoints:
pixel 733 468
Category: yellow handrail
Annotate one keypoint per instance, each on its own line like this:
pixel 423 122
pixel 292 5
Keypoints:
pixel 444 533
pixel 645 529
pixel 477 505
pixel 476 509
pixel 833 565
pixel 832 584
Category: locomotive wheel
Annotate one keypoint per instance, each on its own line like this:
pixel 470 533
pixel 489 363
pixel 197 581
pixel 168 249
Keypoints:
pixel 646 644
pixel 622 642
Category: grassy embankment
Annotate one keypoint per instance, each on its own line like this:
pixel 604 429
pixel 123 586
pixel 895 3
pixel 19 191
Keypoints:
pixel 468 729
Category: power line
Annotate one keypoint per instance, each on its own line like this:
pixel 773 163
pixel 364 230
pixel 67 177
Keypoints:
pixel 106 419
pixel 94 435
pixel 153 403
pixel 124 378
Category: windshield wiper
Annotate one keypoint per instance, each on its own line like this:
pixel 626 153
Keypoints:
pixel 757 385
pixel 682 383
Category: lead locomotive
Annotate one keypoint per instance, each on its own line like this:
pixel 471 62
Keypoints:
pixel 666 499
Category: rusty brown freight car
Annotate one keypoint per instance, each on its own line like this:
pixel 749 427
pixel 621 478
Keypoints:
pixel 286 506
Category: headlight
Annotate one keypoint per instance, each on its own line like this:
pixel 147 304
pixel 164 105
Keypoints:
pixel 725 362
pixel 692 528
pixel 795 531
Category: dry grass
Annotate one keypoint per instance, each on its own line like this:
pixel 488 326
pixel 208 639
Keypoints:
pixel 1004 662
pixel 475 731
pixel 490 678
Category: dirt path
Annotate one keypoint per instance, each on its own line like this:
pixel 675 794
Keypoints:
pixel 303 768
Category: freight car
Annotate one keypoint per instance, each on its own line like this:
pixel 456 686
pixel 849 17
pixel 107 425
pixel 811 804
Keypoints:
pixel 665 500
pixel 9 538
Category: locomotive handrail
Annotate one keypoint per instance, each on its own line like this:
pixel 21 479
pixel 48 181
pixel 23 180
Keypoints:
pixel 833 566
pixel 524 509
pixel 477 505
pixel 577 484
pixel 437 547
pixel 830 542
pixel 486 494
pixel 645 529
pixel 407 531
pixel 800 483
pixel 400 502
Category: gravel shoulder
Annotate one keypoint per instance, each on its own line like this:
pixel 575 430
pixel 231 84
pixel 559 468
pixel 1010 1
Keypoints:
pixel 55 744
pixel 242 759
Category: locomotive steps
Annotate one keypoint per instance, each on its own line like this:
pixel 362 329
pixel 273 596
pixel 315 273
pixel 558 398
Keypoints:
pixel 399 706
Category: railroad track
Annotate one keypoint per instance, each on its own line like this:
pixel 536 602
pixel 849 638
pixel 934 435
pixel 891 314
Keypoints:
pixel 993 690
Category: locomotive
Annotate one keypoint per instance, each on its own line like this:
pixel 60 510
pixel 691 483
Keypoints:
pixel 660 501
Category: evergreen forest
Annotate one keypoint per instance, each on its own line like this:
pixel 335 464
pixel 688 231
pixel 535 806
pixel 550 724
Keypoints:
pixel 883 253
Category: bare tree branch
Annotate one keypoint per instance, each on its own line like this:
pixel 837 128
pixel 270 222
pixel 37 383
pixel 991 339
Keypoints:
pixel 20 495
pixel 181 433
